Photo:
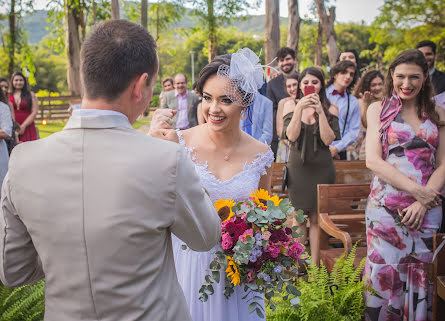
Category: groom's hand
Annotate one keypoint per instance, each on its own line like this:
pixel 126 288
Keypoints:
pixel 162 119
pixel 165 134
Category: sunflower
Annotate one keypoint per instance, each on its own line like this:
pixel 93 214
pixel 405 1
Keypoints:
pixel 224 208
pixel 232 271
pixel 260 197
pixel 276 200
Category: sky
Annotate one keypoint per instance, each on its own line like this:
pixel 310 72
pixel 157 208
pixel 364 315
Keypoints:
pixel 346 10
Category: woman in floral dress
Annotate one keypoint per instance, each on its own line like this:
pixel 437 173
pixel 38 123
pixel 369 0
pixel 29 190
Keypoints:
pixel 405 149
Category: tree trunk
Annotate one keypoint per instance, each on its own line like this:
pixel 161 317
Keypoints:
pixel 13 36
pixel 327 23
pixel 144 8
pixel 72 41
pixel 293 34
pixel 319 46
pixel 213 49
pixel 272 36
pixel 115 9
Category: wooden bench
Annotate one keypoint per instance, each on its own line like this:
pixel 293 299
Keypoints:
pixel 277 179
pixel 352 172
pixel 341 214
pixel 438 279
pixel 346 172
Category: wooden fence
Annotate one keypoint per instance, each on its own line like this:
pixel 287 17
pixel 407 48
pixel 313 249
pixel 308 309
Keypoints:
pixel 58 108
pixel 55 108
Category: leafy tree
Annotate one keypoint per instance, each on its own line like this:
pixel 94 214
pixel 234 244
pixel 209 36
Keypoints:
pixel 212 13
pixel 403 23
pixel 15 40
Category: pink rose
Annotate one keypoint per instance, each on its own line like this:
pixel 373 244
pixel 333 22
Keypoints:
pixel 274 251
pixel 227 242
pixel 295 251
pixel 266 235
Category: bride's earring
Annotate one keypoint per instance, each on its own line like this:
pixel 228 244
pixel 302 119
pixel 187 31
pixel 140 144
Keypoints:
pixel 243 114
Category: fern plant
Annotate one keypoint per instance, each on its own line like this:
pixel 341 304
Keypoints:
pixel 25 303
pixel 335 296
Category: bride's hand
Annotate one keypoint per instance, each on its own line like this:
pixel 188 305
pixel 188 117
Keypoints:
pixel 162 119
pixel 165 134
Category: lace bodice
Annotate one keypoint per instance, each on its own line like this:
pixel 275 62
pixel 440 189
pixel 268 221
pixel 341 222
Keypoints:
pixel 240 186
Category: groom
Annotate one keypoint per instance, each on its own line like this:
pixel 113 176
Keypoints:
pixel 91 209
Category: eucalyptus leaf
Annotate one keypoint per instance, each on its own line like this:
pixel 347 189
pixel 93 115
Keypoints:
pixel 259 313
pixel 216 276
pixel 252 307
pixel 294 301
pixel 292 290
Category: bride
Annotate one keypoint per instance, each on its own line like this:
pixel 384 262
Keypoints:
pixel 230 163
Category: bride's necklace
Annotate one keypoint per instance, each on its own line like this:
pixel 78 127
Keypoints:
pixel 226 156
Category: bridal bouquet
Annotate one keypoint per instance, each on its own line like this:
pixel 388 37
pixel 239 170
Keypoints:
pixel 257 250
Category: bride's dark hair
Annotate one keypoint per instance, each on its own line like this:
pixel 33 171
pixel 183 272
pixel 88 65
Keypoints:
pixel 212 69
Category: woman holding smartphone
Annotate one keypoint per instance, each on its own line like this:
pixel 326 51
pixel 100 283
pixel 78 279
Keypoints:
pixel 310 125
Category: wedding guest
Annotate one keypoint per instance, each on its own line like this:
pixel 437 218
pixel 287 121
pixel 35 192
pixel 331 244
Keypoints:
pixel 351 55
pixel 5 134
pixel 4 86
pixel 275 87
pixel 92 208
pixel 291 87
pixel 310 125
pixel 343 77
pixel 167 85
pixel 196 112
pixel 369 89
pixel 405 150
pixel 428 48
pixel 25 106
pixel 181 100
pixel 257 121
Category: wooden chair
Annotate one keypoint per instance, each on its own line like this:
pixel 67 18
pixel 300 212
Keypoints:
pixel 352 172
pixel 277 179
pixel 438 279
pixel 341 214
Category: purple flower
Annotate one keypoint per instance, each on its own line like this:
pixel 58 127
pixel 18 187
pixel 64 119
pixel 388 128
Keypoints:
pixel 252 258
pixel 278 269
pixel 266 278
pixel 258 237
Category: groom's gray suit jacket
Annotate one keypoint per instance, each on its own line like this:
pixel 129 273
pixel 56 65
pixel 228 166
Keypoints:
pixel 91 209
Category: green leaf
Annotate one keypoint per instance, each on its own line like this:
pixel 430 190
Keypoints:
pixel 259 313
pixel 216 276
pixel 294 301
pixel 252 307
pixel 269 295
pixel 292 290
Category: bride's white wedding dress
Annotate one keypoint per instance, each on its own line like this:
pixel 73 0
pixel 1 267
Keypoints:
pixel 191 266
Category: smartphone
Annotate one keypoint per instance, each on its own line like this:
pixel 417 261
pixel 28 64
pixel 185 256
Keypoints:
pixel 307 90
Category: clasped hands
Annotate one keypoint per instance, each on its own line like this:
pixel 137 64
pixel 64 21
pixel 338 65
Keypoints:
pixel 310 101
pixel 161 125
pixel 414 214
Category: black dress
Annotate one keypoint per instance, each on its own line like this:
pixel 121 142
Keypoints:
pixel 310 163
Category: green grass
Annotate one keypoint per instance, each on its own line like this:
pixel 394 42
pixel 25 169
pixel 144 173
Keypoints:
pixel 53 127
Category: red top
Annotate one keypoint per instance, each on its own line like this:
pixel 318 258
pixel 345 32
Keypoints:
pixel 21 113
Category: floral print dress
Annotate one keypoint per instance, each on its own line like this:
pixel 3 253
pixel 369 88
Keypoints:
pixel 398 258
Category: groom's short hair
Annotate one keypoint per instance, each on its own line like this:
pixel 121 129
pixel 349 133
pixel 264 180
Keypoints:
pixel 112 55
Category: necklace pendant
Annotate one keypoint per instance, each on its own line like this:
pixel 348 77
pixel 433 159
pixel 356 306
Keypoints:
pixel 226 158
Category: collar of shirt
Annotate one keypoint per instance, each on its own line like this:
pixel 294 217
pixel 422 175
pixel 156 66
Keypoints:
pixel 96 112
pixel 182 96
pixel 432 71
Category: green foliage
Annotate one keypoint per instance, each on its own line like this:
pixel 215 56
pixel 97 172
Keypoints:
pixel 284 311
pixel 26 303
pixel 403 23
pixel 335 296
